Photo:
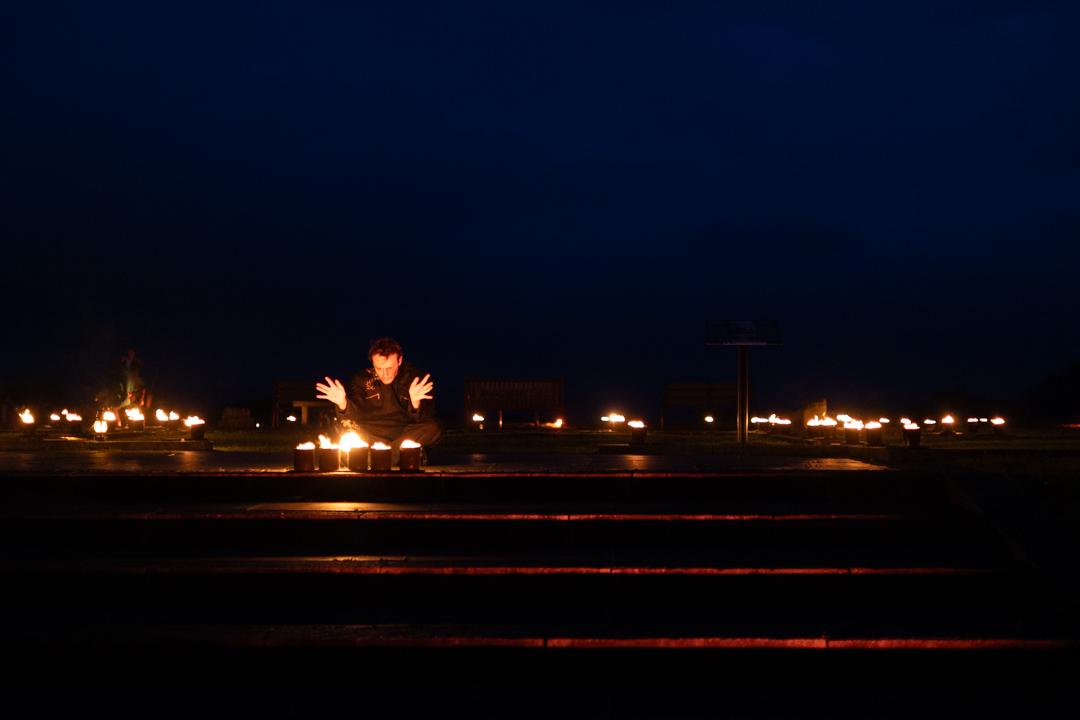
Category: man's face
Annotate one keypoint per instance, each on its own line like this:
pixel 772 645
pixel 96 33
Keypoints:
pixel 386 367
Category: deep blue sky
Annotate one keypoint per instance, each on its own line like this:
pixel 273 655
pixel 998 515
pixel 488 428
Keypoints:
pixel 246 192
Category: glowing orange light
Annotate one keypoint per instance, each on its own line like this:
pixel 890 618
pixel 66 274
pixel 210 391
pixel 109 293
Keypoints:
pixel 291 418
pixel 380 446
pixel 173 416
pixel 636 424
pixel 828 421
pixel 616 418
pixel 477 418
pixel 557 424
pixel 928 421
pixel 844 418
pixel 54 417
pixel 351 440
pixel 161 415
pixel 108 416
pixel 710 419
pixel 74 417
pixel 326 444
pixel 884 421
pixel 998 421
pixel 973 420
pixel 758 420
pixel 905 421
pixel 813 422
pixel 873 425
pixel 306 446
pixel 775 420
pixel 409 445
pixel 194 420
pixel 134 414
pixel 910 426
pixel 948 420
pixel 853 425
pixel 101 427
pixel 26 417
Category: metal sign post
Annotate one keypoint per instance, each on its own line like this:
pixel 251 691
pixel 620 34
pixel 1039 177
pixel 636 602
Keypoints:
pixel 742 334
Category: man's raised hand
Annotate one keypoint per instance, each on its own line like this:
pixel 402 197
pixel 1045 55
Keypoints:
pixel 333 391
pixel 420 390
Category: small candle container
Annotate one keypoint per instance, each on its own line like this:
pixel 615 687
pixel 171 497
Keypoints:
pixel 637 433
pixel 329 459
pixel 381 458
pixel 304 459
pixel 198 432
pixel 851 436
pixel 874 436
pixel 73 427
pixel 409 459
pixel 912 436
pixel 140 425
pixel 357 460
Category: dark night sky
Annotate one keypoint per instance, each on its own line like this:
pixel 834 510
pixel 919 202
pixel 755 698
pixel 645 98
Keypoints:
pixel 245 192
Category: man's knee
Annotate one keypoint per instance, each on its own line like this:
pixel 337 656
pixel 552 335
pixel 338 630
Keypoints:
pixel 427 432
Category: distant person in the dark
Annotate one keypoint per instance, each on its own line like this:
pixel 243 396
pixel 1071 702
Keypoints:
pixel 134 393
pixel 389 401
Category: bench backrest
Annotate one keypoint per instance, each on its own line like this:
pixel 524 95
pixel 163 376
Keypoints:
pixel 495 394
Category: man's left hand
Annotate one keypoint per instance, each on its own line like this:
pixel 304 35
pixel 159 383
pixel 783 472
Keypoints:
pixel 420 390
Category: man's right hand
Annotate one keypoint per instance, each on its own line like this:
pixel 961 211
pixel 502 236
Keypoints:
pixel 333 391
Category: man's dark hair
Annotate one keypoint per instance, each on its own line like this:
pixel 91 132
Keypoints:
pixel 385 347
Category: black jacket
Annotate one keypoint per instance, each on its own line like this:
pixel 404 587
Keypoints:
pixel 365 385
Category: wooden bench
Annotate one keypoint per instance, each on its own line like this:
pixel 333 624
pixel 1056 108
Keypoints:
pixel 514 395
pixel 717 399
pixel 296 395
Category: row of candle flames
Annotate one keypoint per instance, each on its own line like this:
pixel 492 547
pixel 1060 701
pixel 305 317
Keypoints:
pixel 107 419
pixel 353 453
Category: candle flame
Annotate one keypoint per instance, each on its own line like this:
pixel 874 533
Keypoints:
pixel 636 424
pixel 928 421
pixel 853 425
pixel 409 444
pixel 74 417
pixel 948 420
pixel 758 420
pixel 617 418
pixel 710 419
pixel 101 427
pixel 973 420
pixel 194 420
pixel 998 421
pixel 605 418
pixel 828 421
pixel 54 417
pixel 173 416
pixel 134 414
pixel 107 416
pixel 557 424
pixel 477 418
pixel 326 444
pixel 844 418
pixel 813 422
pixel 351 440
pixel 161 415
pixel 905 421
pixel 291 418
pixel 911 426
pixel 884 421
pixel 873 425
pixel 26 417
pixel 775 420
pixel 306 446
pixel 380 446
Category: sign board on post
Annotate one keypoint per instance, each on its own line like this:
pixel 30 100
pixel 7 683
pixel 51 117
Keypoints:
pixel 742 334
